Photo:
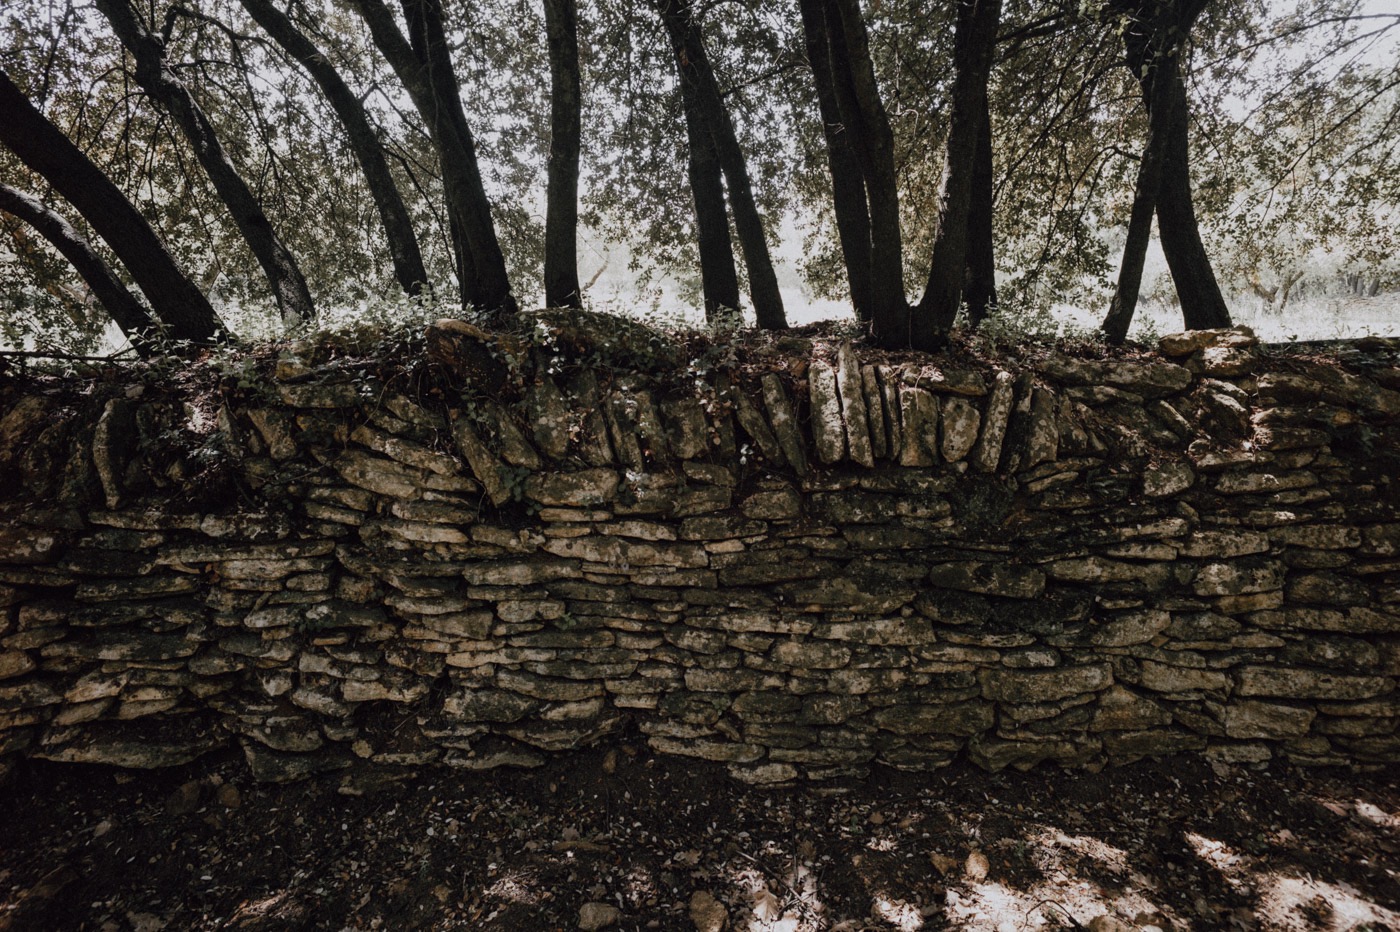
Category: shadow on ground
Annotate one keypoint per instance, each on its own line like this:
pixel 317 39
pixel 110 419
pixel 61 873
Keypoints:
pixel 621 839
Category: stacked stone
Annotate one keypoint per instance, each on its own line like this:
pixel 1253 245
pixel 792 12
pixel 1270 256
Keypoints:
pixel 1087 562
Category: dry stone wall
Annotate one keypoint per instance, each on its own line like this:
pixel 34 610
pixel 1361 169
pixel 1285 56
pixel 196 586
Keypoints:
pixel 794 562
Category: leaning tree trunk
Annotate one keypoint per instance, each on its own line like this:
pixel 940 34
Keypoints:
pixel 428 42
pixel 424 67
pixel 561 288
pixel 694 67
pixel 1153 35
pixel 863 113
pixel 980 285
pixel 973 42
pixel 166 88
pixel 178 303
pixel 364 142
pixel 1146 198
pixel 719 279
pixel 1202 304
pixel 130 314
pixel 851 210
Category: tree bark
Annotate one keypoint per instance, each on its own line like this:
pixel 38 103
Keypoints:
pixel 1153 35
pixel 166 88
pixel 423 63
pixel 863 113
pixel 364 142
pixel 980 285
pixel 693 65
pixel 1146 197
pixel 428 42
pixel 973 43
pixel 1202 304
pixel 847 186
pixel 719 279
pixel 561 288
pixel 178 303
pixel 130 314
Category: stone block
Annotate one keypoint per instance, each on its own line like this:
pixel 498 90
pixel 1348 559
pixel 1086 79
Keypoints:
pixel 963 719
pixel 1003 579
pixel 579 489
pixel 1251 719
pixel 828 427
pixel 849 387
pixel 756 426
pixel 961 422
pixel 1130 628
pixel 1170 678
pixel 1224 544
pixel 811 655
pixel 1121 709
pixel 1239 578
pixel 918 409
pixel 1021 686
pixel 784 422
pixel 1167 480
pixel 1302 683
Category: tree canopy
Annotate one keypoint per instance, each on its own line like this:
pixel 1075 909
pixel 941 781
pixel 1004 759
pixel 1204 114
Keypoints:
pixel 942 160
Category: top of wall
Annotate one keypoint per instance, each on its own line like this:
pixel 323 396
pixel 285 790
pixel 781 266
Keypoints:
pixel 570 391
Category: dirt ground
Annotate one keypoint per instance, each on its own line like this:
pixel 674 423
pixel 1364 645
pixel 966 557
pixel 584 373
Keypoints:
pixel 619 838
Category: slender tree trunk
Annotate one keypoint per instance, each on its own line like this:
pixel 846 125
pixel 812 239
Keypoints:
pixel 561 288
pixel 166 88
pixel 847 187
pixel 1154 33
pixel 1288 281
pixel 176 301
pixel 1202 304
pixel 424 66
pixel 428 41
pixel 973 43
pixel 980 285
pixel 863 113
pixel 1146 197
pixel 719 279
pixel 364 142
pixel 130 314
pixel 694 67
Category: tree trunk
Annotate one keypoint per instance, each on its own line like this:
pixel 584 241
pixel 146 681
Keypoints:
pixel 364 141
pixel 561 287
pixel 1288 281
pixel 1146 196
pixel 1153 35
pixel 694 67
pixel 130 314
pixel 1202 304
pixel 179 304
pixel 166 88
pixel 980 285
pixel 973 43
pixel 847 187
pixel 863 113
pixel 424 67
pixel 461 172
pixel 719 279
